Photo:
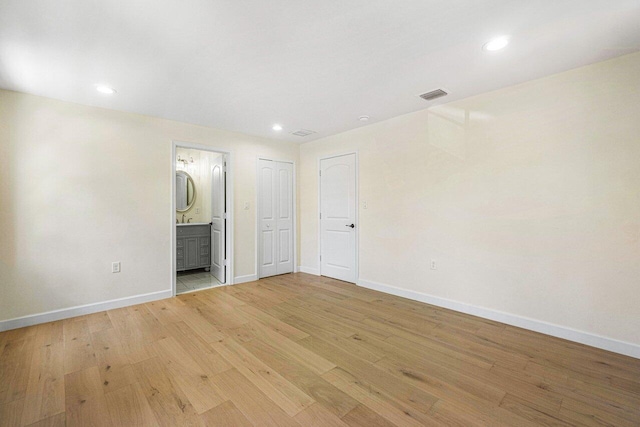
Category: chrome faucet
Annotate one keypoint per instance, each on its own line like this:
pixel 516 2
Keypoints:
pixel 189 220
pixel 183 218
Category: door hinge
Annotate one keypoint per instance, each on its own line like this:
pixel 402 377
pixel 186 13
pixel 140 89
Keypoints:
pixel 320 215
pixel 320 257
pixel 225 262
pixel 320 172
pixel 225 215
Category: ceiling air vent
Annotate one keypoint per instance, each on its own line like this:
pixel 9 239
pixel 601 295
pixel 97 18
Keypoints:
pixel 430 96
pixel 302 132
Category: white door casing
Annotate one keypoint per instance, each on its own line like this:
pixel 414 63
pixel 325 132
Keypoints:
pixel 338 205
pixel 275 217
pixel 218 226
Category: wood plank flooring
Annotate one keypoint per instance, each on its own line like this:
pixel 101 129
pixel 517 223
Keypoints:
pixel 301 350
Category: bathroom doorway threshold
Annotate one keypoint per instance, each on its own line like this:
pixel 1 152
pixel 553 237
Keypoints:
pixel 195 280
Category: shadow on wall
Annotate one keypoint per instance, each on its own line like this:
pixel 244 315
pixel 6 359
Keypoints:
pixel 34 181
pixel 68 202
pixel 8 204
pixel 448 129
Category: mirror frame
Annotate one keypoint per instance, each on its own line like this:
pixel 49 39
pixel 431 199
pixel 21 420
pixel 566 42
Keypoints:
pixel 195 193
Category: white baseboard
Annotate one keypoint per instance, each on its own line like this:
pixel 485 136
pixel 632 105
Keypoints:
pixel 66 313
pixel 593 340
pixel 244 279
pixel 309 270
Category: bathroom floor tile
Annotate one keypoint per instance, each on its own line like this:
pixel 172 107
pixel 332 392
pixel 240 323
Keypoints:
pixel 187 281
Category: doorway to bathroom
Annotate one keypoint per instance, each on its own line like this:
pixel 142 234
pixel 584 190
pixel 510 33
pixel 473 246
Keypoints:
pixel 201 218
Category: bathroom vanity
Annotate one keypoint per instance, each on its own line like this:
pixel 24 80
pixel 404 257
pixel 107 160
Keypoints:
pixel 193 245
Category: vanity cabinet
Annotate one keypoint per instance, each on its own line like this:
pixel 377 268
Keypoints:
pixel 193 246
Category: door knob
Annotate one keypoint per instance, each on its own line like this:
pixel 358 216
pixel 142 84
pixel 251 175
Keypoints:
pixel 351 225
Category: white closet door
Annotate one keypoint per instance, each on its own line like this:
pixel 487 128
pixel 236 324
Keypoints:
pixel 284 225
pixel 275 217
pixel 338 217
pixel 267 217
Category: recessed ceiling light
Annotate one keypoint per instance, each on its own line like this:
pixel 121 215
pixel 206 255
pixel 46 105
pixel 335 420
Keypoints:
pixel 105 89
pixel 364 118
pixel 277 127
pixel 496 44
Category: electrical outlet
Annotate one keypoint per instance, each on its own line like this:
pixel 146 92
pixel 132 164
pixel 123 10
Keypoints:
pixel 246 206
pixel 197 210
pixel 115 267
pixel 433 264
pixel 364 205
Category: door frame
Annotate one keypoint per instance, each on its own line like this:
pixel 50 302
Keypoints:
pixel 295 212
pixel 229 202
pixel 357 213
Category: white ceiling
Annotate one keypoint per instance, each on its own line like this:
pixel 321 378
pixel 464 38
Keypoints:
pixel 245 64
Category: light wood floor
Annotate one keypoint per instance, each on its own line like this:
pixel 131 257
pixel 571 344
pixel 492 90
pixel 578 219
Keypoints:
pixel 303 350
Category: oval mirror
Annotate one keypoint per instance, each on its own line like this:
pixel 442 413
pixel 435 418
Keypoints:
pixel 185 191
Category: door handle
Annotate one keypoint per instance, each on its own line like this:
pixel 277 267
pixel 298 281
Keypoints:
pixel 351 225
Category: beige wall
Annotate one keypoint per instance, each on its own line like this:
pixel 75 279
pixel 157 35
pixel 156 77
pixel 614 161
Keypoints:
pixel 82 187
pixel 528 198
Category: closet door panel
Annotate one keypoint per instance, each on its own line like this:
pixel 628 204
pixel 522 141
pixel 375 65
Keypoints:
pixel 267 218
pixel 275 217
pixel 285 218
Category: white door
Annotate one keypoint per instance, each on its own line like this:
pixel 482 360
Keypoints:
pixel 181 191
pixel 267 217
pixel 284 211
pixel 275 217
pixel 338 217
pixel 218 223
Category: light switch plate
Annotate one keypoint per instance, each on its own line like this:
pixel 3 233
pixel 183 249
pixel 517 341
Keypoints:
pixel 115 267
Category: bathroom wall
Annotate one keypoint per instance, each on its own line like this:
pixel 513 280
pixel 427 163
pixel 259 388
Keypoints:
pixel 81 187
pixel 200 172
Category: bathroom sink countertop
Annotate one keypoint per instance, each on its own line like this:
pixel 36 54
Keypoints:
pixel 193 223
